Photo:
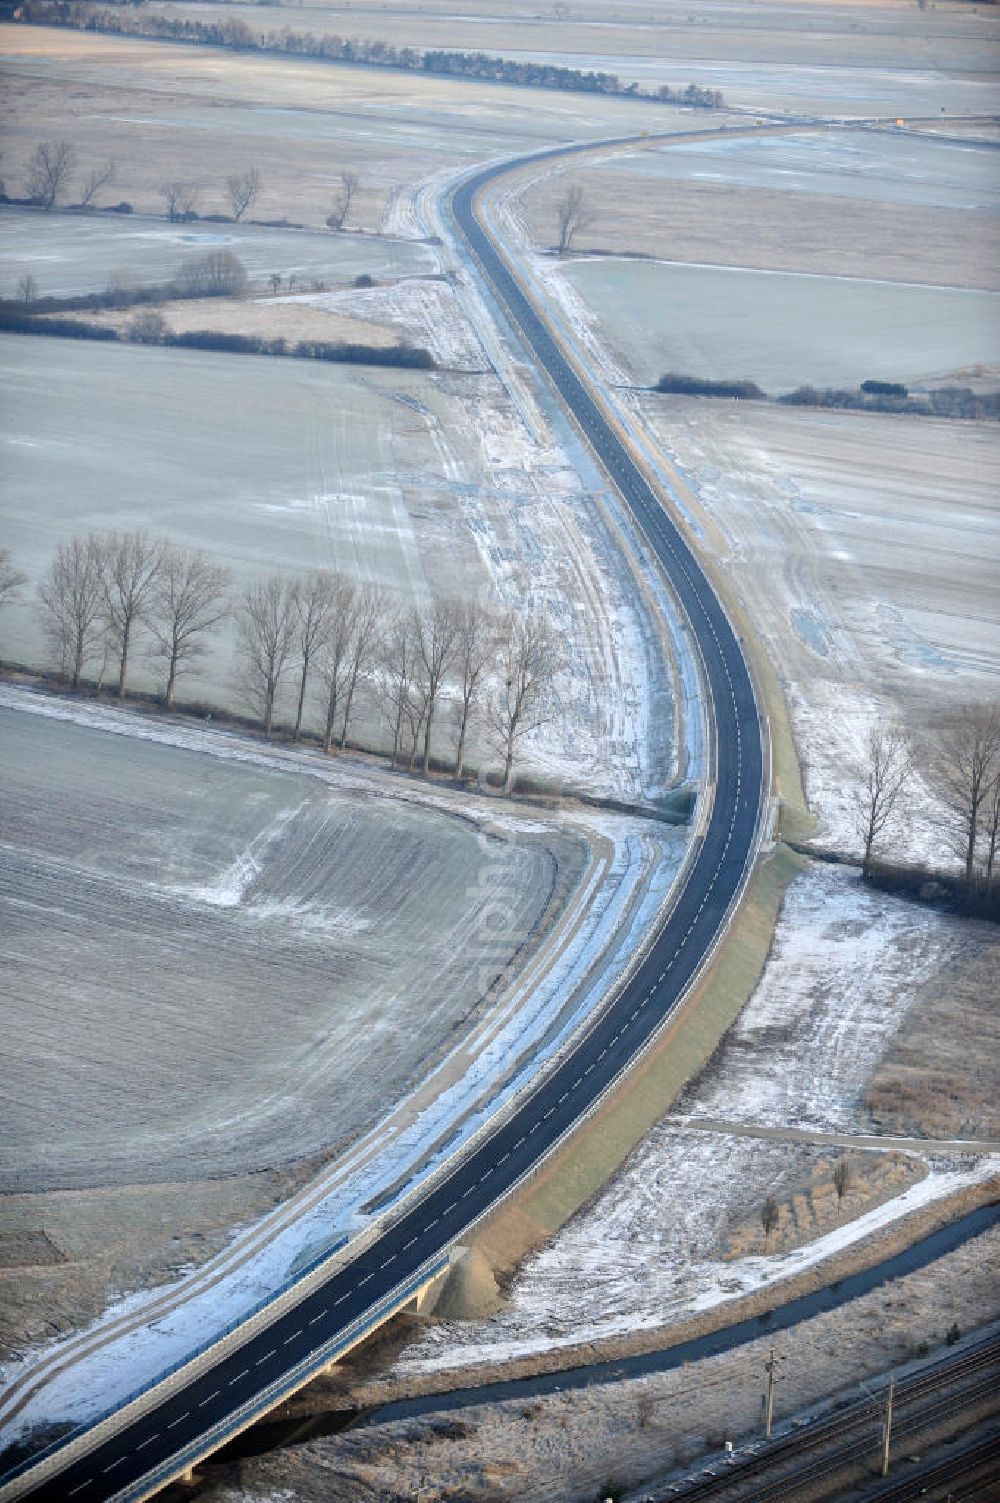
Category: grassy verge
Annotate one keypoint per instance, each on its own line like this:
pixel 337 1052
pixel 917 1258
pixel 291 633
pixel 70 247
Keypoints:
pixel 589 1159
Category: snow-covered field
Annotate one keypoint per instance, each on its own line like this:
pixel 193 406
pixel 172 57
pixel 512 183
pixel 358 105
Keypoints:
pixel 654 1246
pixel 834 202
pixel 173 113
pixel 802 59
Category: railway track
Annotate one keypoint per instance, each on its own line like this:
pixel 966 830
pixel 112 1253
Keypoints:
pixel 827 1446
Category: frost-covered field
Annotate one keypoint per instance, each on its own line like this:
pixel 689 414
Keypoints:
pixel 215 953
pixel 870 166
pixel 652 1247
pixel 167 112
pixel 68 254
pixel 874 205
pixel 418 483
pixel 783 329
pixel 803 59
pixel 866 550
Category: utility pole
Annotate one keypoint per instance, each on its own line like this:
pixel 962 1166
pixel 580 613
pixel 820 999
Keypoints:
pixel 887 1425
pixel 771 1368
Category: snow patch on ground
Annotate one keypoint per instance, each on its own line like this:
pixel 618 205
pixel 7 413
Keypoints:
pixel 845 967
pixel 425 311
pixel 832 723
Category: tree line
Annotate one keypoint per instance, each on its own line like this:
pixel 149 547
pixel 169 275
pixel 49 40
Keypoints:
pixel 52 167
pixel 870 396
pixel 149 327
pixel 321 640
pixel 233 32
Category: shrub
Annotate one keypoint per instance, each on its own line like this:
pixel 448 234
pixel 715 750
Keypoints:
pixel 146 327
pixel 67 328
pixel 215 274
pixel 213 339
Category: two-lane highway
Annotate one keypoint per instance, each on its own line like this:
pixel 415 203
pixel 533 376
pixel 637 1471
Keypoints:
pixel 195 1419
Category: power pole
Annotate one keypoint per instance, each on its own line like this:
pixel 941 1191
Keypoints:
pixel 887 1425
pixel 771 1368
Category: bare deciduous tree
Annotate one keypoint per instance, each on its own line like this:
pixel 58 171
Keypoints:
pixel 841 1178
pixel 355 620
pixel 337 217
pixel 121 288
pixel 49 169
pixel 399 688
pixel 189 598
pixel 881 780
pixel 435 631
pixel 130 566
pixel 336 657
pixel 769 1217
pixel 313 608
pixel 529 659
pixel 146 327
pixel 180 200
pixel 11 579
pixel 476 642
pixel 96 179
pixel 215 274
pixel 571 217
pixel 267 634
pixel 968 761
pixel 992 830
pixel 27 289
pixel 369 619
pixel 69 601
pixel 243 188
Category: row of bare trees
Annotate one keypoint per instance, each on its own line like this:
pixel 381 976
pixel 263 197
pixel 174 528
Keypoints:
pixel 103 591
pixel 52 167
pixel 331 636
pixel 965 767
pixel 49 170
pixel 322 637
pixel 180 199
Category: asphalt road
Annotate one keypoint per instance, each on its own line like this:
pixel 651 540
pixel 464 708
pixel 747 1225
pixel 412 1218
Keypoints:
pixel 184 1422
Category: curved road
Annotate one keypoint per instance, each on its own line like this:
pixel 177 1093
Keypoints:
pixel 193 1421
